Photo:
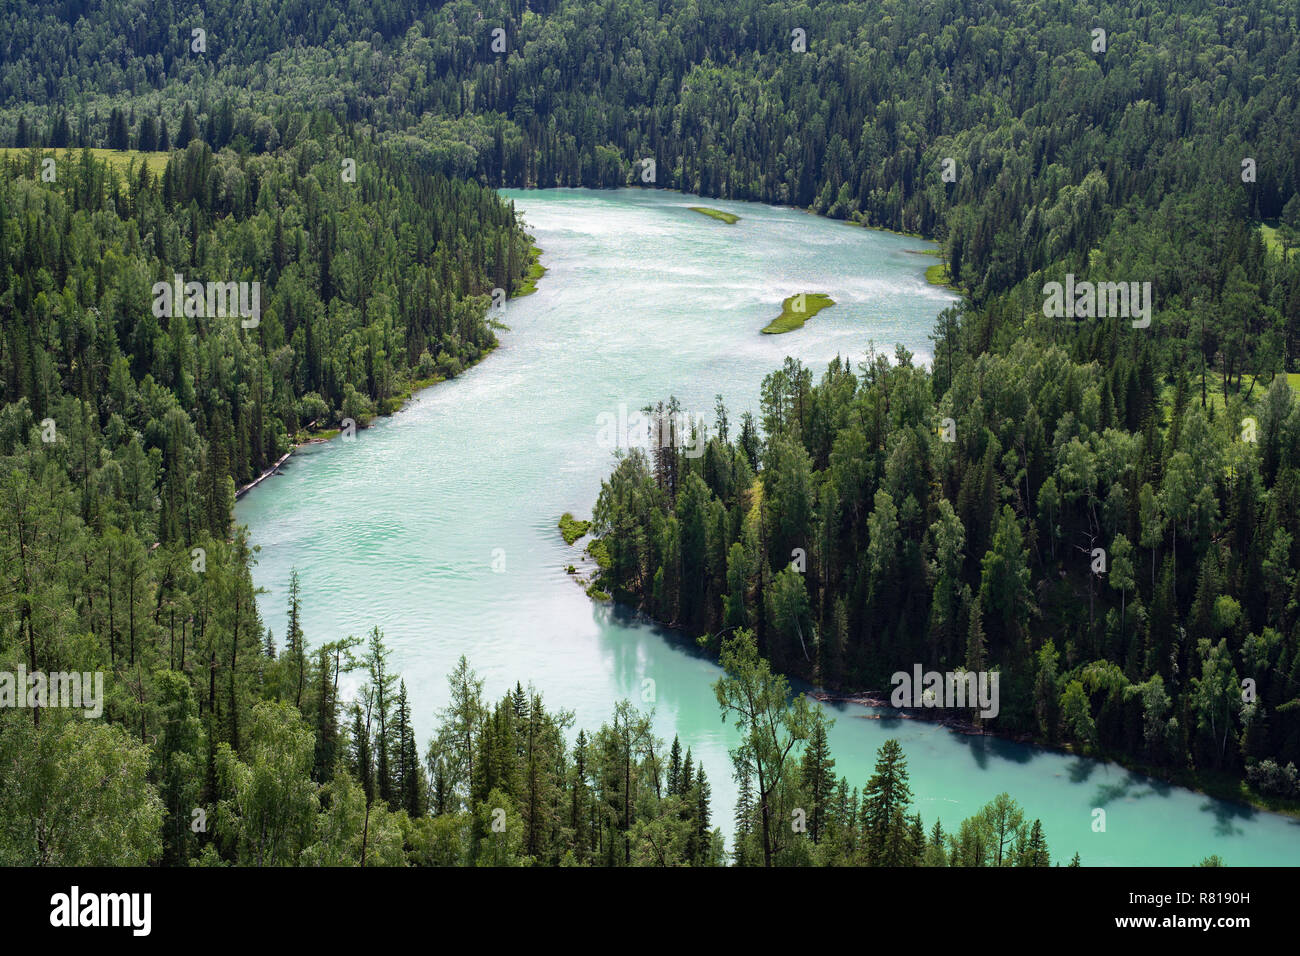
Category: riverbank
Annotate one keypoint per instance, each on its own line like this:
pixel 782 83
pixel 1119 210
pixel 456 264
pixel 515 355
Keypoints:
pixel 532 275
pixel 1216 784
pixel 936 274
pixel 1219 785
pixel 240 492
pixel 855 222
pixel 400 399
pixel 593 560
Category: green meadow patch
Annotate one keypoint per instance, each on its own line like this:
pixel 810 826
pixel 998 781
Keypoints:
pixel 1273 239
pixel 1214 391
pixel 123 160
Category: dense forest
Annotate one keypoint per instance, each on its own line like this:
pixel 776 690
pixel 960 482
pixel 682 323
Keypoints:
pixel 344 158
pixel 1123 583
pixel 1066 157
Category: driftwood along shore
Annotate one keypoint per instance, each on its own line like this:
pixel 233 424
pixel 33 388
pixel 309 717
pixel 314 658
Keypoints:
pixel 263 476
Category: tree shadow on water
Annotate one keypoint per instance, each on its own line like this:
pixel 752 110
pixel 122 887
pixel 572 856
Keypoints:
pixel 1080 769
pixel 887 718
pixel 1226 815
pixel 1132 786
pixel 985 748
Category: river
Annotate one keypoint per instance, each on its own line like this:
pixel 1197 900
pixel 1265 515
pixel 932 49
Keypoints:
pixel 439 523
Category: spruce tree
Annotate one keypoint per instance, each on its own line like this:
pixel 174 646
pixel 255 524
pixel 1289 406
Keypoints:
pixel 1035 851
pixel 294 637
pixel 884 802
pixel 703 835
pixel 743 821
pixel 362 763
pixel 818 778
pixel 189 129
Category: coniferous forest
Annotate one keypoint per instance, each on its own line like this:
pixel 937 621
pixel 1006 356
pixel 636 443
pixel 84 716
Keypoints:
pixel 347 158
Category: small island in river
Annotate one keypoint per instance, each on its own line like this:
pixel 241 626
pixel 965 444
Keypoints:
pixel 729 218
pixel 796 310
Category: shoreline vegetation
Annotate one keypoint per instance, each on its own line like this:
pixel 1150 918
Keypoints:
pixel 796 310
pixel 587 576
pixel 573 530
pixel 730 218
pixel 1220 786
pixel 399 400
pixel 239 493
pixel 533 275
pixel 937 274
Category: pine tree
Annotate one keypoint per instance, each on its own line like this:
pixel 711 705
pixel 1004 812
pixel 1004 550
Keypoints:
pixel 461 725
pixel 61 134
pixel 915 840
pixel 326 714
pixel 578 796
pixel 119 136
pixel 147 135
pixel 935 854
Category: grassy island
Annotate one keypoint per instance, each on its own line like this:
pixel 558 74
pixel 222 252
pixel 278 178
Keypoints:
pixel 796 310
pixel 727 217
